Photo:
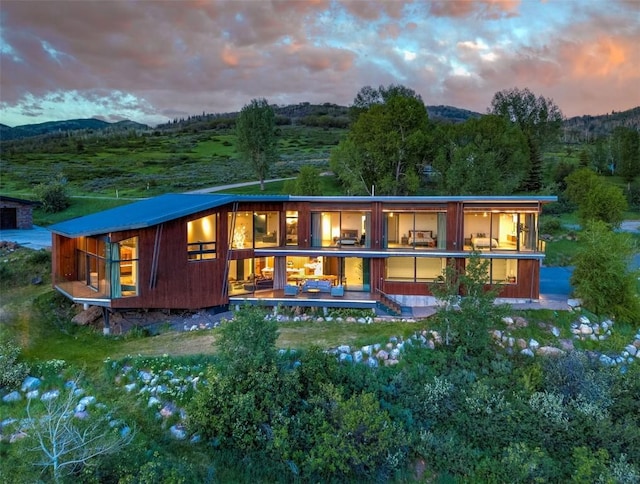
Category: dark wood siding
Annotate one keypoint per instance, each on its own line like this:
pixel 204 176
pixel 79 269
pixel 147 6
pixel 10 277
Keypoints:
pixel 179 283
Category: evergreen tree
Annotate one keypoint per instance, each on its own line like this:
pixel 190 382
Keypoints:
pixel 539 119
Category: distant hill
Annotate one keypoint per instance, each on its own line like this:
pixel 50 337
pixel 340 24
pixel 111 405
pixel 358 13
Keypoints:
pixel 577 129
pixel 327 115
pixel 587 128
pixel 450 114
pixel 54 127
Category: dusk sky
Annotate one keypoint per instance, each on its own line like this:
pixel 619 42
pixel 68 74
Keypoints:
pixel 155 60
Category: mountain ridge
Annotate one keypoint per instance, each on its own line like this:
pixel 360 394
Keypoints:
pixel 584 128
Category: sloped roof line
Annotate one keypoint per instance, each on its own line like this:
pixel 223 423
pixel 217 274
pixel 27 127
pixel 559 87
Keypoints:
pixel 163 208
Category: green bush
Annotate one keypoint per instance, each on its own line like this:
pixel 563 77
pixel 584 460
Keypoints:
pixel 53 195
pixel 551 225
pixel 12 372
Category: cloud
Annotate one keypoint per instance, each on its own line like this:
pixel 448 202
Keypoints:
pixel 154 60
pixel 480 9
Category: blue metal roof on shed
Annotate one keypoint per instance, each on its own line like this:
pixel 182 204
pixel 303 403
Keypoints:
pixel 149 212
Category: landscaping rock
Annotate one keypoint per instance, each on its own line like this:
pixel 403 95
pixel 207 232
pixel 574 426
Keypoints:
pixel 382 355
pixel 14 396
pixel 87 316
pixel 50 395
pixel 178 432
pixel 30 383
pixel 574 303
pixel 550 351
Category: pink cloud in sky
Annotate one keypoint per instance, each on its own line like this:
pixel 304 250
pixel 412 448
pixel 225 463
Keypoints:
pixel 153 60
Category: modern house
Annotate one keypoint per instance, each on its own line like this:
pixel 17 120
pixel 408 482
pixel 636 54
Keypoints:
pixel 190 251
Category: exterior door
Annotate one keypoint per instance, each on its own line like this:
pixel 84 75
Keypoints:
pixel 356 274
pixel 8 218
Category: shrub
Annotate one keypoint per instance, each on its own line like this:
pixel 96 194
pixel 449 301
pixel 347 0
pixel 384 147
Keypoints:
pixel 12 372
pixel 550 225
pixel 53 195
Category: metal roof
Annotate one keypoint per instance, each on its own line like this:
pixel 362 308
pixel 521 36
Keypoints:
pixel 149 212
pixel 430 199
pixel 157 210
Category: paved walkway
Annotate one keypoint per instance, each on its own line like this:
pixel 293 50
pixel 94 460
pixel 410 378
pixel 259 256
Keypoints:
pixel 237 185
pixel 36 238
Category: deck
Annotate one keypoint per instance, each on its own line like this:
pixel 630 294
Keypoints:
pixel 79 292
pixel 276 297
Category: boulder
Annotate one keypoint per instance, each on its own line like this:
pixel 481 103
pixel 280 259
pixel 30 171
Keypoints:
pixel 30 383
pixel 87 316
pixel 574 303
pixel 585 329
pixel 345 357
pixel 50 395
pixel 382 355
pixel 178 432
pixel 550 351
pixel 14 396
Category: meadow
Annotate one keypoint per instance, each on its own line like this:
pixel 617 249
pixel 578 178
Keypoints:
pixel 146 164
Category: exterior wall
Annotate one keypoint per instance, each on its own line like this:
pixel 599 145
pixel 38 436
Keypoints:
pixel 184 284
pixel 179 282
pixel 23 211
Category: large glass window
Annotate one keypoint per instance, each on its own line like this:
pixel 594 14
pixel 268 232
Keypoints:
pixel 419 230
pixel 484 230
pixel 415 269
pixel 292 227
pixel 266 228
pixel 502 271
pixel 241 230
pixel 254 229
pixel 342 229
pixel 124 268
pixel 201 238
pixel 91 264
pixel 249 275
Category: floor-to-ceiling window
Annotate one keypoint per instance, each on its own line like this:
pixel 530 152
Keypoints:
pixel 252 274
pixel 91 254
pixel 418 230
pixel 343 229
pixel 291 223
pixel 486 230
pixel 254 229
pixel 123 268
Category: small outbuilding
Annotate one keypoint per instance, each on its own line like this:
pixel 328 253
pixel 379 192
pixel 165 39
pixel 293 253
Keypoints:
pixel 16 213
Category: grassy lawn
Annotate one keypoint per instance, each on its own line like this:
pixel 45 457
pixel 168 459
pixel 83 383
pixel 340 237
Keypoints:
pixel 560 252
pixel 38 318
pixel 44 338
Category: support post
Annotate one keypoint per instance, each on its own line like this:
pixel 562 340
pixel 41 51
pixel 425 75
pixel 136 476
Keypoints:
pixel 105 316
